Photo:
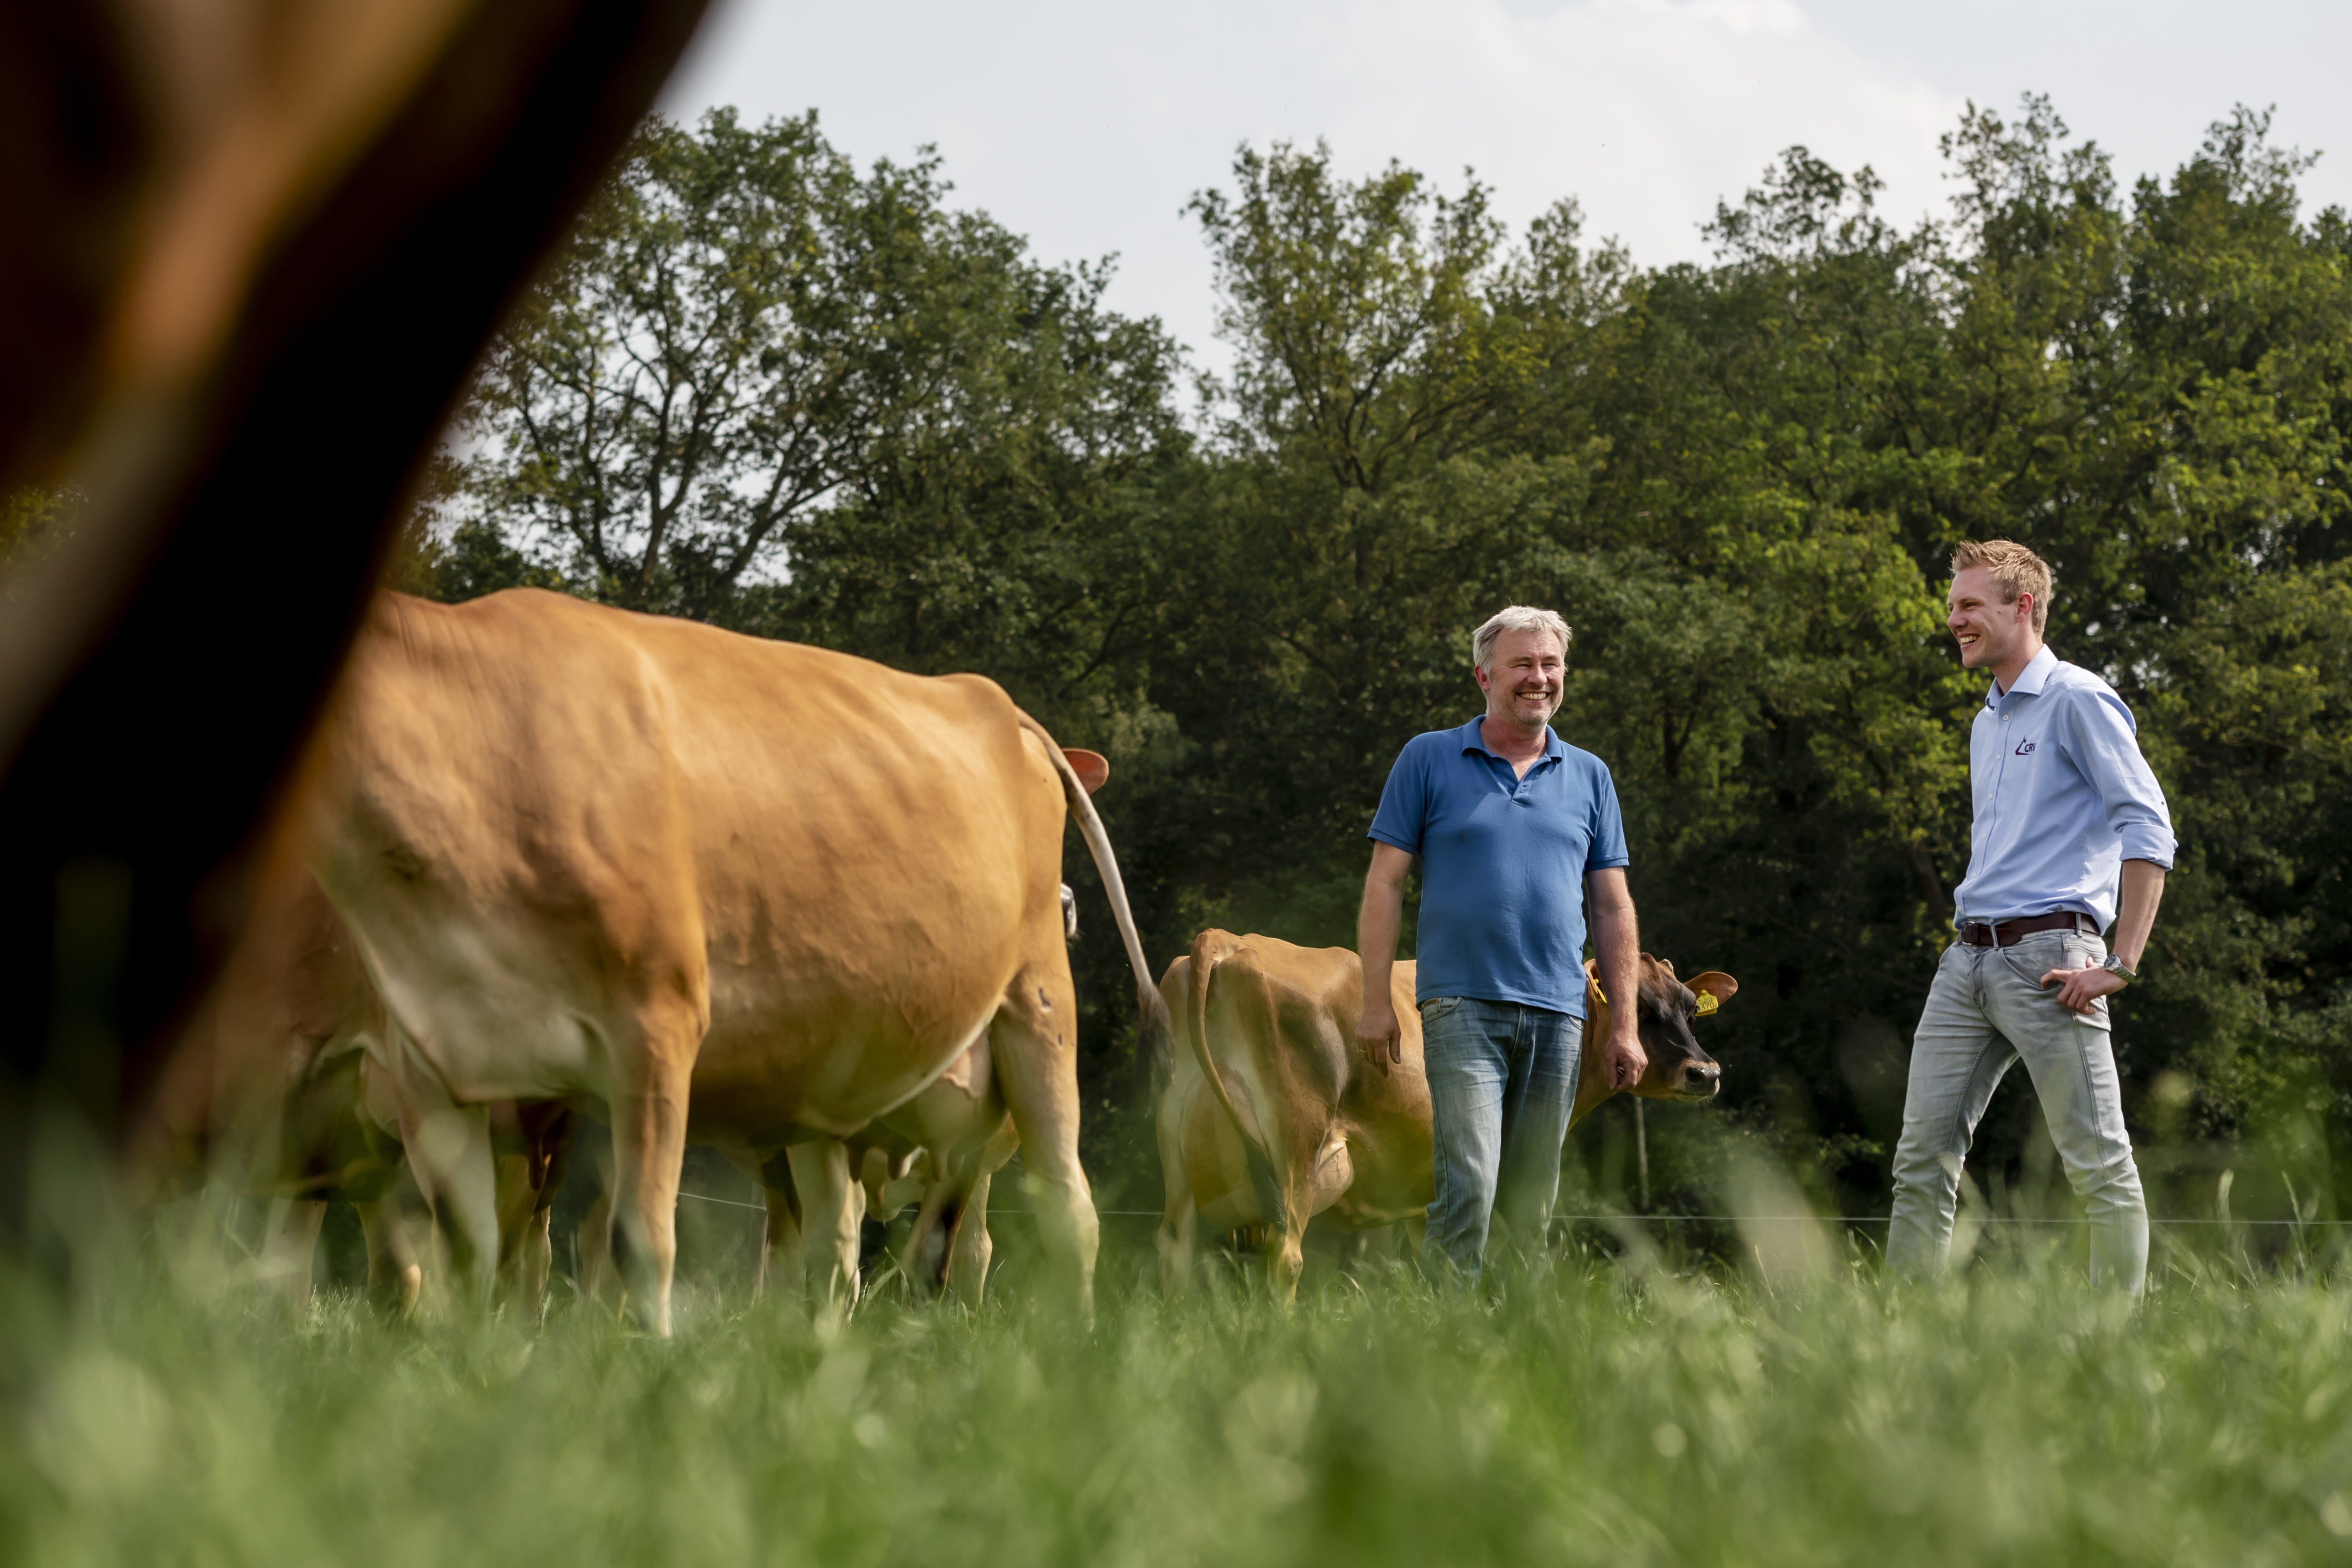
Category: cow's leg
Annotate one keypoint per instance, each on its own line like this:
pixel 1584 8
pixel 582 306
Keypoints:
pixel 1179 1240
pixel 395 1280
pixel 1180 1216
pixel 969 1247
pixel 782 1249
pixel 1033 1040
pixel 833 1211
pixel 648 1156
pixel 535 1262
pixel 449 1149
pixel 594 1240
pixel 925 1260
pixel 449 1155
pixel 288 1244
pixel 550 1130
pixel 517 1201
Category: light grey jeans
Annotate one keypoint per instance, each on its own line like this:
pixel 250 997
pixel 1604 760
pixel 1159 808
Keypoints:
pixel 1987 1010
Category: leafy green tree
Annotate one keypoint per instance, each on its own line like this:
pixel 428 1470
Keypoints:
pixel 742 328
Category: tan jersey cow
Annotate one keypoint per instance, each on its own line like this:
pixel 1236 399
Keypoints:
pixel 1276 1118
pixel 745 890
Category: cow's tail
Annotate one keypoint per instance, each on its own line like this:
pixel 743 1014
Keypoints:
pixel 1211 948
pixel 1156 1042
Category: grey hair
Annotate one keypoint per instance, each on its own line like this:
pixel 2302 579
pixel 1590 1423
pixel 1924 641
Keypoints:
pixel 1515 618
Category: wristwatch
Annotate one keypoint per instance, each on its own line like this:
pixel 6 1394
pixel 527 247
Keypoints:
pixel 2119 969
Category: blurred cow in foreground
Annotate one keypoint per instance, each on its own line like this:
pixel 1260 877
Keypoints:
pixel 1270 1116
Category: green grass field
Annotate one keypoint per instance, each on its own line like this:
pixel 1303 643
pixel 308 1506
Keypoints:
pixel 1582 1411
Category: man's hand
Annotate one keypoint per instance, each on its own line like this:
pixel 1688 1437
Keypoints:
pixel 1627 1060
pixel 1375 1029
pixel 2079 988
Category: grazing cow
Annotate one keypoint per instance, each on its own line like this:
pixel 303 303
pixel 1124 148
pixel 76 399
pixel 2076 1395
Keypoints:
pixel 277 1096
pixel 1275 1118
pixel 751 893
pixel 1290 1124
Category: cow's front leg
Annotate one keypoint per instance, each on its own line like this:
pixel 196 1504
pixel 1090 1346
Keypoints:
pixel 449 1151
pixel 394 1278
pixel 833 1209
pixel 450 1157
pixel 648 1156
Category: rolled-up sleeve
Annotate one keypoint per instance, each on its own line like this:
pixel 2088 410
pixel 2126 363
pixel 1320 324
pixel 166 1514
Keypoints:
pixel 1404 802
pixel 2103 741
pixel 1608 852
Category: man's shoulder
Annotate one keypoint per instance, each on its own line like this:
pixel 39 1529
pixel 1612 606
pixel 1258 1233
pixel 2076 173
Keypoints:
pixel 2072 678
pixel 1434 743
pixel 1580 763
pixel 2071 685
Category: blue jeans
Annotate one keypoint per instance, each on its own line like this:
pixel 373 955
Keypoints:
pixel 1987 1010
pixel 1502 1082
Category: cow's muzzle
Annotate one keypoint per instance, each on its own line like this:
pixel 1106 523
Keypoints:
pixel 1698 1081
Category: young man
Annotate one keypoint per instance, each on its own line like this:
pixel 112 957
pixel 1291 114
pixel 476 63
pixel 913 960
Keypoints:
pixel 2068 816
pixel 1515 831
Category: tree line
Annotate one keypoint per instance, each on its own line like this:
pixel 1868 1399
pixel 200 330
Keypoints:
pixel 764 387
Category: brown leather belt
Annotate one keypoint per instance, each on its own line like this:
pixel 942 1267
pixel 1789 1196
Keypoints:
pixel 2007 933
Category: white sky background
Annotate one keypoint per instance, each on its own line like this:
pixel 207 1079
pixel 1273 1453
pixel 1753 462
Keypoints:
pixel 1087 126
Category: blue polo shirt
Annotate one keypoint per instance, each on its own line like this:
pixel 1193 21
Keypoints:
pixel 1503 862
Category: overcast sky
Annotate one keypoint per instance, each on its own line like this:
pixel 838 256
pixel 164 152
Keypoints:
pixel 1086 126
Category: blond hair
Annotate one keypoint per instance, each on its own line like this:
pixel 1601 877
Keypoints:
pixel 2015 569
pixel 1515 618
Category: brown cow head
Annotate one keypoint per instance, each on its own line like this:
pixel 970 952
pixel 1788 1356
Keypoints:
pixel 1679 1067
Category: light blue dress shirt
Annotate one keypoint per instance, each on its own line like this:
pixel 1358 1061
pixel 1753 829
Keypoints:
pixel 2062 797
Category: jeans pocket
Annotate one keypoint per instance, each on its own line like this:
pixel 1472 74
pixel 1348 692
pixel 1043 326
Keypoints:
pixel 1437 1008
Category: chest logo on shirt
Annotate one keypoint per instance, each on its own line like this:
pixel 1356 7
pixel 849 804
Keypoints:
pixel 2024 748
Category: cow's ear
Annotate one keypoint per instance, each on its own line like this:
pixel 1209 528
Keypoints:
pixel 1713 989
pixel 1091 766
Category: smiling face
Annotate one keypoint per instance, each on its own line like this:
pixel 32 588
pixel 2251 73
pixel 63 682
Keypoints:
pixel 1991 634
pixel 1525 686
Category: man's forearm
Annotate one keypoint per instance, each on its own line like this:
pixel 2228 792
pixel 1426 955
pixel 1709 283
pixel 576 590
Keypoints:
pixel 1377 925
pixel 2143 890
pixel 1616 945
pixel 1616 951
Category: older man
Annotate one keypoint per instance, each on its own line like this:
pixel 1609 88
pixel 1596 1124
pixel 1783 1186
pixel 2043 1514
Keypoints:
pixel 1516 831
pixel 2067 815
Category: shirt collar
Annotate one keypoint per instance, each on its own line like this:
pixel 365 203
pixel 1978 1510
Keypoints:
pixel 2030 680
pixel 1472 740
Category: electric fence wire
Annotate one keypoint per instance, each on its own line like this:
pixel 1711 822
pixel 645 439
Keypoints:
pixel 1668 1218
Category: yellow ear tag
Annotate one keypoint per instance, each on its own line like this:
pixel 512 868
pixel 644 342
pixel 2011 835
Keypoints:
pixel 1599 992
pixel 1706 1003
